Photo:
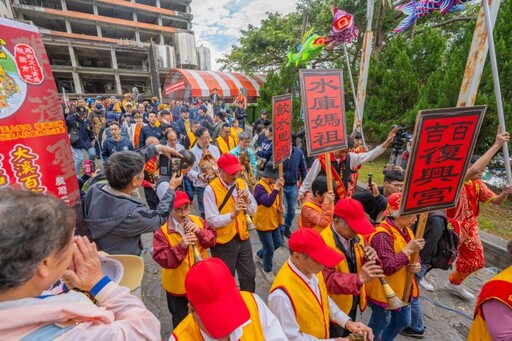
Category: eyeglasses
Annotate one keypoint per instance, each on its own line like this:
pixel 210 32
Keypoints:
pixel 396 185
pixel 182 209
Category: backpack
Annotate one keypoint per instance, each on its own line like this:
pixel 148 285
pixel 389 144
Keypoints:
pixel 447 250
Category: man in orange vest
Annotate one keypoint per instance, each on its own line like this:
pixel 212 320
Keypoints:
pixel 493 311
pixel 346 281
pixel 317 210
pixel 225 142
pixel 394 243
pixel 219 311
pixel 268 218
pixel 298 296
pixel 226 202
pixel 173 251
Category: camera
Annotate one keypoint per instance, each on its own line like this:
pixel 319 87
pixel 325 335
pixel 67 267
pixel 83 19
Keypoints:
pixel 400 140
pixel 168 167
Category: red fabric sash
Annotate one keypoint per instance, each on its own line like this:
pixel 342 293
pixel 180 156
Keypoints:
pixel 340 188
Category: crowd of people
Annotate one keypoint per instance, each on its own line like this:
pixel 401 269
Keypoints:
pixel 53 284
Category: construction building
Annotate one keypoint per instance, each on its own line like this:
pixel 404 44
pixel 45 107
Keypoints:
pixel 107 47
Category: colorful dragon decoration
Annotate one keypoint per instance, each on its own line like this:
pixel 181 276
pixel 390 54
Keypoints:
pixel 343 30
pixel 417 9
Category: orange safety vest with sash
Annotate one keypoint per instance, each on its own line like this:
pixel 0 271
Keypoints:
pixel 239 225
pixel 173 280
pixel 223 146
pixel 312 314
pixel 266 218
pixel 498 288
pixel 345 302
pixel 316 208
pixel 340 187
pixel 374 289
pixel 188 330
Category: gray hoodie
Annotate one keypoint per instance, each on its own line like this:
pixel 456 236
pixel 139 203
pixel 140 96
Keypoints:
pixel 116 221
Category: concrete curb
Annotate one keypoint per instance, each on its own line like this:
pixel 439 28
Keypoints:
pixel 495 248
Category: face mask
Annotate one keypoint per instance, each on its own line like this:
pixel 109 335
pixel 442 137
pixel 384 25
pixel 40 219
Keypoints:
pixel 408 148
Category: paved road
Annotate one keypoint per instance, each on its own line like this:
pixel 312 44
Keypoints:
pixel 446 316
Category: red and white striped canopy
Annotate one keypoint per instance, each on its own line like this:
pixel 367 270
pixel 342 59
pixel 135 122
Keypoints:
pixel 183 83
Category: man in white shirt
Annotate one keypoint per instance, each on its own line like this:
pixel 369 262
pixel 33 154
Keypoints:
pixel 199 177
pixel 226 202
pixel 298 296
pixel 342 162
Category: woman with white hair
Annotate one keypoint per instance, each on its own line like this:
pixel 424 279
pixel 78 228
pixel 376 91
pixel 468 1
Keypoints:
pixel 38 249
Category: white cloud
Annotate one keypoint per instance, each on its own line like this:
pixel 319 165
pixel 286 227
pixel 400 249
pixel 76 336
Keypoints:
pixel 217 23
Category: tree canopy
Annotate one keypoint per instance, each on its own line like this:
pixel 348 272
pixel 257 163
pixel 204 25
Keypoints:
pixel 421 68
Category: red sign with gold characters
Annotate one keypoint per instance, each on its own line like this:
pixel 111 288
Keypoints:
pixel 36 153
pixel 282 128
pixel 443 143
pixel 324 110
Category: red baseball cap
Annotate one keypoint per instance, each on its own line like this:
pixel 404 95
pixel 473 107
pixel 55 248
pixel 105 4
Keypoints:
pixel 181 198
pixel 212 291
pixel 308 241
pixel 229 164
pixel 393 207
pixel 352 212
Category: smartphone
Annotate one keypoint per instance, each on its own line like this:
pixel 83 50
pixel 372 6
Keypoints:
pixel 164 166
pixel 93 167
pixel 176 166
pixel 370 180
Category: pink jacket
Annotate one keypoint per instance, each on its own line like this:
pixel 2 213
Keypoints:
pixel 119 316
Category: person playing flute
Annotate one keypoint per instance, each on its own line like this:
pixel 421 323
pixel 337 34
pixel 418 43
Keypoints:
pixel 173 251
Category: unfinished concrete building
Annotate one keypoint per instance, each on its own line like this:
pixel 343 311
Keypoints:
pixel 107 47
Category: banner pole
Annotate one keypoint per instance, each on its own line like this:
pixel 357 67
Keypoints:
pixel 497 88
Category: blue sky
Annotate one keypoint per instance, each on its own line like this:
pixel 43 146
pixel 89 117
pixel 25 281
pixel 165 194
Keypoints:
pixel 217 23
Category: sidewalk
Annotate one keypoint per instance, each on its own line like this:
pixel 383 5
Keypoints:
pixel 447 318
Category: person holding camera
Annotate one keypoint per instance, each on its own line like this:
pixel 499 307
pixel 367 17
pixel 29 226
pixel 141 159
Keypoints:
pixel 342 162
pixel 116 220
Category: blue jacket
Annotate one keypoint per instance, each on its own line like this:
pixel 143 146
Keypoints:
pixel 111 146
pixel 85 131
pixel 266 149
pixel 295 164
pixel 148 131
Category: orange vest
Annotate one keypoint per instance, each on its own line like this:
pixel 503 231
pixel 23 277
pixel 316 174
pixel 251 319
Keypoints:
pixel 239 225
pixel 266 218
pixel 498 288
pixel 192 139
pixel 345 302
pixel 312 315
pixel 374 289
pixel 188 330
pixel 317 208
pixel 173 280
pixel 235 132
pixel 137 136
pixel 223 146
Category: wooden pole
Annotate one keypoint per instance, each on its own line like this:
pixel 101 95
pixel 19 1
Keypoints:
pixel 280 196
pixel 420 231
pixel 328 172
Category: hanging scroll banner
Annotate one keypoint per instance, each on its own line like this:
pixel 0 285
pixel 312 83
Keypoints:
pixel 324 110
pixel 282 128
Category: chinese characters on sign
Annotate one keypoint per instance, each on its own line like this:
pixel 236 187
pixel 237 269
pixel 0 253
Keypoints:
pixel 444 141
pixel 28 66
pixel 324 110
pixel 25 168
pixel 4 180
pixel 35 149
pixel 282 128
